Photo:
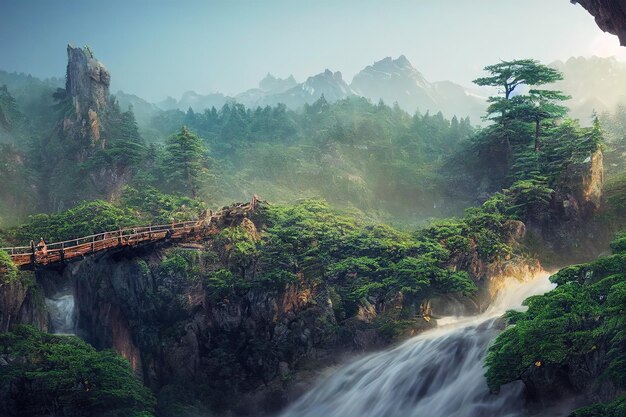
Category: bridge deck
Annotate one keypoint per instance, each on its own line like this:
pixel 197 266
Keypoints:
pixel 62 251
pixel 132 236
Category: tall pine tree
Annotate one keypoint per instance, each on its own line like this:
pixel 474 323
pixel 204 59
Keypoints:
pixel 186 162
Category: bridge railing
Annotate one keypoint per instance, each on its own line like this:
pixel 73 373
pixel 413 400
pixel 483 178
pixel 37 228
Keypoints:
pixel 127 234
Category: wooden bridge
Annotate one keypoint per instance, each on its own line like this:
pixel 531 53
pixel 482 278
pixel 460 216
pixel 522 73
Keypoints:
pixel 69 249
pixel 210 224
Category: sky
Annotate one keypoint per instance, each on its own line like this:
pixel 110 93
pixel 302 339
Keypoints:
pixel 156 48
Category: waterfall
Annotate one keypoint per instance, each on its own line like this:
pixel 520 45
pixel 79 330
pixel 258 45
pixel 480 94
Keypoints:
pixel 61 311
pixel 438 373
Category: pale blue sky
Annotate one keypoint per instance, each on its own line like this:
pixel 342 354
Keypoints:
pixel 156 48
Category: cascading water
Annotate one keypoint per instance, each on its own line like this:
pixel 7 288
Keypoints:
pixel 61 311
pixel 436 374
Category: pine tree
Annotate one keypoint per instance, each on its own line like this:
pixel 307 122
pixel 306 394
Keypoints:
pixel 185 161
pixel 507 76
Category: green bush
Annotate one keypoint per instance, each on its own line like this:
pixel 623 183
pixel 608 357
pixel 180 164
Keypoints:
pixel 87 218
pixel 616 408
pixel 585 313
pixel 155 207
pixel 8 270
pixel 63 375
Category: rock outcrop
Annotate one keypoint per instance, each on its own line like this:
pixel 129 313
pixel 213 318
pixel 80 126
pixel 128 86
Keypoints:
pixel 87 85
pixel 21 303
pixel 568 228
pixel 610 15
pixel 89 122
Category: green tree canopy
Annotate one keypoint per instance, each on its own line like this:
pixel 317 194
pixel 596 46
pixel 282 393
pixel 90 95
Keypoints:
pixel 537 106
pixel 509 75
pixel 60 375
pixel 186 162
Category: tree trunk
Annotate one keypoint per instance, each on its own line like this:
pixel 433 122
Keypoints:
pixel 537 133
pixel 190 182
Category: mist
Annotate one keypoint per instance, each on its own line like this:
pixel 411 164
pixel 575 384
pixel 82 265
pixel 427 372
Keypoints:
pixel 156 49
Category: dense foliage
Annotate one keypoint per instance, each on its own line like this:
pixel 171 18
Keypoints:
pixel 582 318
pixel 309 243
pixel 86 219
pixel 352 153
pixel 530 146
pixel 136 208
pixel 616 408
pixel 64 376
pixel 8 270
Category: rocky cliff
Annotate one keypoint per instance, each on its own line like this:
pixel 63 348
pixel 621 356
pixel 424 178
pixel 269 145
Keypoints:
pixel 87 86
pixel 610 15
pixel 89 124
pixel 21 301
pixel 568 228
pixel 185 340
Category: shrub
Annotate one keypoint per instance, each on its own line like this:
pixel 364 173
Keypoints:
pixel 64 375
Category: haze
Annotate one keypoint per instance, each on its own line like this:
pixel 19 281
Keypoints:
pixel 160 48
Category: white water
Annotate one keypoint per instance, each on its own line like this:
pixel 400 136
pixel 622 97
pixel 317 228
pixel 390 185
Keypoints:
pixel 436 374
pixel 61 310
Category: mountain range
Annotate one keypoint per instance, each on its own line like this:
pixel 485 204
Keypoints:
pixel 390 80
pixel 595 84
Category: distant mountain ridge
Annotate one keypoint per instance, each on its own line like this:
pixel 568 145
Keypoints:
pixel 397 81
pixel 596 84
pixel 329 84
pixel 392 80
pixel 268 86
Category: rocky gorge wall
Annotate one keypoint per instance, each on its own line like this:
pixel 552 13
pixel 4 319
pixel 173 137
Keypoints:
pixel 22 302
pixel 175 334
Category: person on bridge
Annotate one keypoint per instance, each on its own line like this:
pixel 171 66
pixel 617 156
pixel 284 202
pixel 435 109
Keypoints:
pixel 42 247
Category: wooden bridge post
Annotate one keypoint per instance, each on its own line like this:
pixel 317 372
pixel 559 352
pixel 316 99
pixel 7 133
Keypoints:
pixel 93 244
pixel 33 256
pixel 62 251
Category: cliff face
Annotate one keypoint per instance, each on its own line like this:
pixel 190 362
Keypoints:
pixel 176 334
pixel 567 228
pixel 87 85
pixel 89 121
pixel 20 302
pixel 610 15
